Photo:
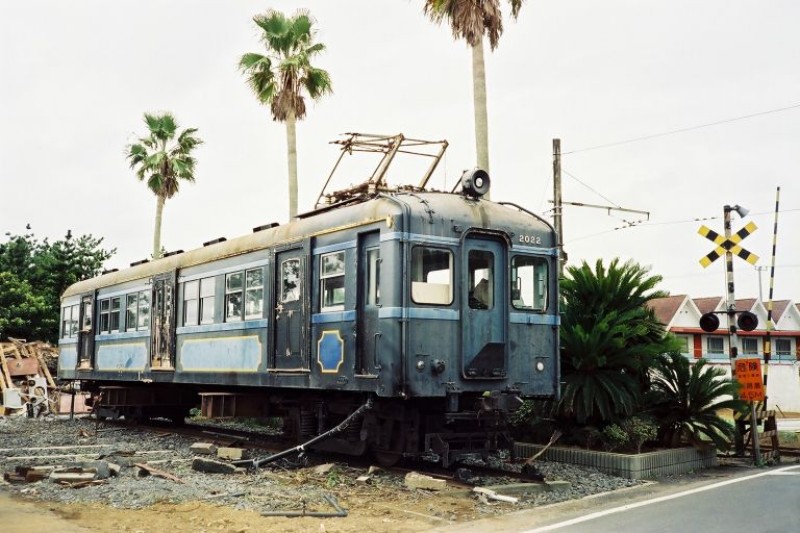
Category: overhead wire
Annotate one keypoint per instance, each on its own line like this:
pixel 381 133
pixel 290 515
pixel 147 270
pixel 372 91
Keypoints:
pixel 683 130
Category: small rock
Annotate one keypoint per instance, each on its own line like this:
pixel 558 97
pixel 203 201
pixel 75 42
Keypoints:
pixel 323 469
pixel 414 480
pixel 203 448
pixel 211 466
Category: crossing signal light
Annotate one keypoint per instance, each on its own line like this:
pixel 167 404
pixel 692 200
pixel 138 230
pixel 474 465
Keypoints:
pixel 709 322
pixel 747 321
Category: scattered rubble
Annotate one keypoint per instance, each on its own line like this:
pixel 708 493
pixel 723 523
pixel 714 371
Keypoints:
pixel 98 464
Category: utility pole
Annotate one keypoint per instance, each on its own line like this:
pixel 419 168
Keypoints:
pixel 557 220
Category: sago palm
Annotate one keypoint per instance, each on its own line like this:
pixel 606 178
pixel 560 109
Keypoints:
pixel 283 76
pixel 163 158
pixel 687 398
pixel 471 20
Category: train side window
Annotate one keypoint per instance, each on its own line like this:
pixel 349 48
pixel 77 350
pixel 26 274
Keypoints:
pixel 105 316
pixel 191 299
pixel 69 321
pixel 254 293
pixel 207 287
pixel 290 280
pixel 116 313
pixel 233 296
pixel 373 277
pixel 332 281
pixel 481 279
pixel 431 276
pixel 529 283
pixel 144 310
pixel 131 311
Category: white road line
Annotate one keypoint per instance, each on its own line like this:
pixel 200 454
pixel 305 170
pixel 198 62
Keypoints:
pixel 623 508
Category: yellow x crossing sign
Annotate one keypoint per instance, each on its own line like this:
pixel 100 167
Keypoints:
pixel 724 245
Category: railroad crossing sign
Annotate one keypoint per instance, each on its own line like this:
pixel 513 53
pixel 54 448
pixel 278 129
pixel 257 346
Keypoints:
pixel 725 245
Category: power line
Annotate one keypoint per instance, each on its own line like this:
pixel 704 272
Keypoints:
pixel 588 187
pixel 682 130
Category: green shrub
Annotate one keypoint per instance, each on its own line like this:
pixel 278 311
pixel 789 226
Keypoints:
pixel 613 437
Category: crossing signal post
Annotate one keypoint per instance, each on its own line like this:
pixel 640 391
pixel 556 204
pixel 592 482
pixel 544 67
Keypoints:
pixel 729 244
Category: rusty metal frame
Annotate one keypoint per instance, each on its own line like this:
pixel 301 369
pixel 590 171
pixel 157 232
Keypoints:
pixel 389 146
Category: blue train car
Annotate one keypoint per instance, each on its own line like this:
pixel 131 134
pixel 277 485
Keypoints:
pixel 442 307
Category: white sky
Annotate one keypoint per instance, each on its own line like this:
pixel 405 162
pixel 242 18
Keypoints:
pixel 76 77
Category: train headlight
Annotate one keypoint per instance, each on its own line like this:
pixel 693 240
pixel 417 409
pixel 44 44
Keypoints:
pixel 540 366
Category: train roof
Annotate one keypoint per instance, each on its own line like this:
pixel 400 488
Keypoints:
pixel 429 212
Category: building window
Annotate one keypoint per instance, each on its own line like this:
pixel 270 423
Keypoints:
pixel 233 297
pixel 290 280
pixel 69 321
pixel 749 346
pixel 783 349
pixel 431 276
pixel 529 283
pixel 331 274
pixel 254 293
pixel 207 288
pixel 715 345
pixel 480 279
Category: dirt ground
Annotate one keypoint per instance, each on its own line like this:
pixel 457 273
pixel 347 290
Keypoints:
pixel 385 512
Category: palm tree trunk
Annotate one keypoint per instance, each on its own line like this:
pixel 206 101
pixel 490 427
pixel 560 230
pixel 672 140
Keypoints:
pixel 291 146
pixel 157 231
pixel 479 99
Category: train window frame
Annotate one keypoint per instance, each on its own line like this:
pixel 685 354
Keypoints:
pixel 332 271
pixel 291 280
pixel 254 292
pixel 234 296
pixel 143 313
pixel 536 289
pixel 373 281
pixel 480 279
pixel 69 321
pixel 104 316
pixel 207 300
pixel 116 314
pixel 131 312
pixel 191 303
pixel 424 291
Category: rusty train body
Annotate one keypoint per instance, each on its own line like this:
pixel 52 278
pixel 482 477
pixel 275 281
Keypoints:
pixel 440 307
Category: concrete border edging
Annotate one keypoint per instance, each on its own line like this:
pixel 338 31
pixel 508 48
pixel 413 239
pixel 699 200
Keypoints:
pixel 630 466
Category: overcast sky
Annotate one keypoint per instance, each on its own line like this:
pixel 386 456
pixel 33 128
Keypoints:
pixel 76 78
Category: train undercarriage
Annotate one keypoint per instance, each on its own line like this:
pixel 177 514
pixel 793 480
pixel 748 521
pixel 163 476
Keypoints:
pixel 437 429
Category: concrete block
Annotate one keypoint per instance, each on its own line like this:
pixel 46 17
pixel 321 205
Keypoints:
pixel 203 448
pixel 323 469
pixel 233 454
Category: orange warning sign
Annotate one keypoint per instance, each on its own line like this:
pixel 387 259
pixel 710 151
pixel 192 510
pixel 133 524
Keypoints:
pixel 748 374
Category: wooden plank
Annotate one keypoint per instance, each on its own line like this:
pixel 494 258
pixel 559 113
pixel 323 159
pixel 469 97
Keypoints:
pixel 159 473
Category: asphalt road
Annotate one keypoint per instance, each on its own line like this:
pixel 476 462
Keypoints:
pixel 726 500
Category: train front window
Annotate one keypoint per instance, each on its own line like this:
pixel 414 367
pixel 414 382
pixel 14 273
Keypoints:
pixel 431 276
pixel 529 283
pixel 481 279
pixel 332 281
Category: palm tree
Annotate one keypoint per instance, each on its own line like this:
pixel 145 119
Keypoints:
pixel 163 162
pixel 281 77
pixel 471 20
pixel 686 400
pixel 609 339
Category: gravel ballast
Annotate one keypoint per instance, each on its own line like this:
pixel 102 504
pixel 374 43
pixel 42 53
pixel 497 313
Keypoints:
pixel 275 488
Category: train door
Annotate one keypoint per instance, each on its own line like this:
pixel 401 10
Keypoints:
pixel 484 307
pixel 290 297
pixel 368 334
pixel 162 322
pixel 86 333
